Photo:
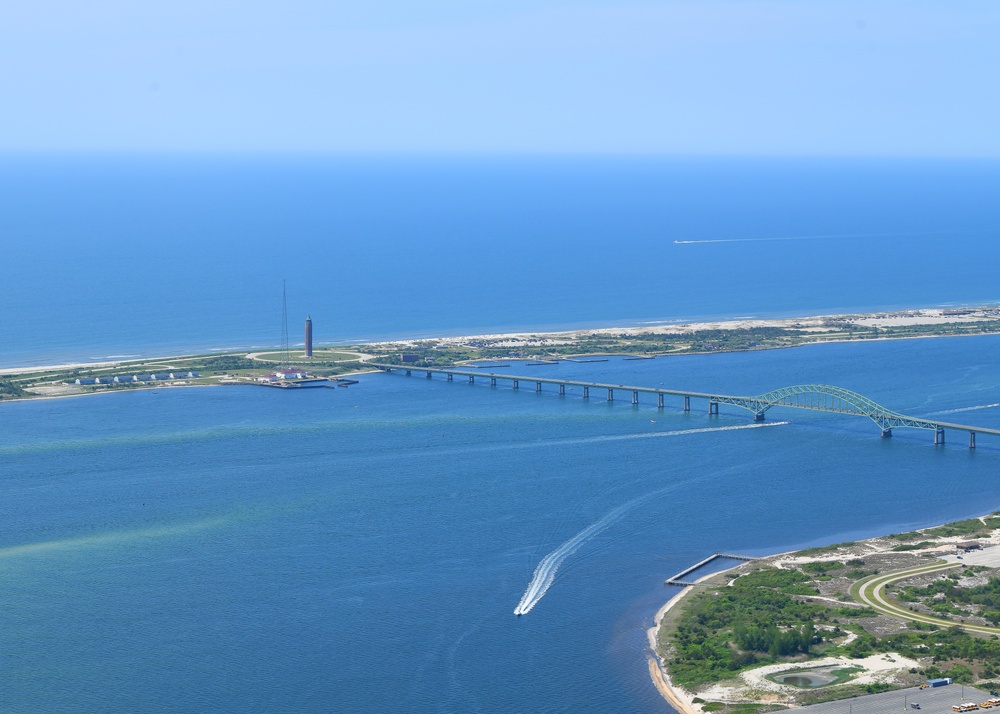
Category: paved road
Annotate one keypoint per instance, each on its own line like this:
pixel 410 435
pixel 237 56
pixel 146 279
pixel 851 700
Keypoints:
pixel 871 592
pixel 935 700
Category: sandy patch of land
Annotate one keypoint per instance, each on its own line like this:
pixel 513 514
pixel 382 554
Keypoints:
pixel 877 668
pixel 813 323
pixel 678 698
pixel 818 324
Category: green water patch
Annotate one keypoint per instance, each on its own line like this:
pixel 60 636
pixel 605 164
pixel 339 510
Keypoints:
pixel 815 677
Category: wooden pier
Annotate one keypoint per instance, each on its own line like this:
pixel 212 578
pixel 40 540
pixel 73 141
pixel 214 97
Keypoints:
pixel 679 578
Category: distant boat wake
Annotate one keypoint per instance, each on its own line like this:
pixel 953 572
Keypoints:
pixel 694 241
pixel 545 573
pixel 968 409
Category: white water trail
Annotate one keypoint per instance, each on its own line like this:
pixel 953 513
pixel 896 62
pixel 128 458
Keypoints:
pixel 967 409
pixel 694 241
pixel 545 572
pixel 647 435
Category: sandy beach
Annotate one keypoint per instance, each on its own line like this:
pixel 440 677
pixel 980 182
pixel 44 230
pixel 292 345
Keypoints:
pixel 675 696
pixel 810 323
pixel 817 324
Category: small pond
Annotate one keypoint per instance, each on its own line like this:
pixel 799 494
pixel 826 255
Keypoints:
pixel 806 679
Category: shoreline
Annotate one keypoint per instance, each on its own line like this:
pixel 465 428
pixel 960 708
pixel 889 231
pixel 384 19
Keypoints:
pixel 816 325
pixel 152 387
pixel 673 694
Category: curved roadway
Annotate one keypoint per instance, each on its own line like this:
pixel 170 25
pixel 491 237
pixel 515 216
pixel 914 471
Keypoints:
pixel 871 591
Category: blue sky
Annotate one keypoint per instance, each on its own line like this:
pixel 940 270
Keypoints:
pixel 778 77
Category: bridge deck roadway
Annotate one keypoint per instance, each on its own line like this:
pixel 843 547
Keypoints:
pixel 552 380
pixel 919 422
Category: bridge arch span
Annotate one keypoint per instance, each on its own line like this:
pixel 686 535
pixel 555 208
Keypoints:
pixel 825 397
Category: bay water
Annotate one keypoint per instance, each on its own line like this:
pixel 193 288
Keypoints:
pixel 364 549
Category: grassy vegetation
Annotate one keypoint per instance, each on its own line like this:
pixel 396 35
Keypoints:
pixel 767 616
pixel 912 535
pixel 945 595
pixel 970 528
pixel 749 624
pixel 823 550
pixel 296 356
pixel 626 343
pixel 755 622
pixel 10 390
pixel 913 546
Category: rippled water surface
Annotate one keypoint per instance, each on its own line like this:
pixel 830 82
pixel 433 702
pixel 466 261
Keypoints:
pixel 363 549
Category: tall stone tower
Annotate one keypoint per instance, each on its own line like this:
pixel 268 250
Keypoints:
pixel 309 336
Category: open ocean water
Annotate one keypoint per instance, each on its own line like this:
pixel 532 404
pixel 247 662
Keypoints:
pixel 157 255
pixel 363 549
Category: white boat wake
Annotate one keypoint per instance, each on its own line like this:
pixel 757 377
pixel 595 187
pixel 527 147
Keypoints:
pixel 761 239
pixel 545 573
pixel 968 409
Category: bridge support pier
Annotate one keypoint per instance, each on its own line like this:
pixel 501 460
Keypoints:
pixel 562 390
pixel 472 380
pixel 635 397
pixel 538 386
pixel 429 375
pixel 886 433
pixel 493 381
pixel 451 377
pixel 586 392
pixel 687 403
pixel 659 400
pixel 514 384
pixel 939 436
pixel 407 373
pixel 713 408
pixel 611 394
pixel 972 440
pixel 758 416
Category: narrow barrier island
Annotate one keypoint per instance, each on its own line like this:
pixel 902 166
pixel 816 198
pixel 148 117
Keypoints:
pixel 835 622
pixel 538 348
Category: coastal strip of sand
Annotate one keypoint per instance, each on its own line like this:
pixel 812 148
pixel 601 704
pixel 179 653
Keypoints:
pixel 678 698
pixel 812 323
pixel 811 329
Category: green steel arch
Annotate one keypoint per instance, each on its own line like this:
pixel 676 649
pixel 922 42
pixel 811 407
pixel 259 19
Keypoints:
pixel 824 397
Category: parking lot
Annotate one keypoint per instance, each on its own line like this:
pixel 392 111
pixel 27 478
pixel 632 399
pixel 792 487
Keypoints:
pixel 933 700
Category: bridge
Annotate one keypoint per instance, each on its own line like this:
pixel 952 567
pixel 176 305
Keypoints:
pixel 816 397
